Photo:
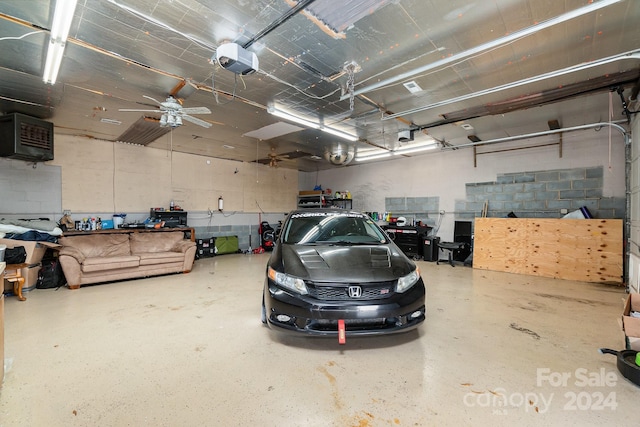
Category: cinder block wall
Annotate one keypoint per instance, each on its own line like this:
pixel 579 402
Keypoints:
pixel 415 209
pixel 541 194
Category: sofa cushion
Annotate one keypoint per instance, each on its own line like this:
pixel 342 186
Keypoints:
pixel 155 241
pixel 99 245
pixel 110 263
pixel 149 258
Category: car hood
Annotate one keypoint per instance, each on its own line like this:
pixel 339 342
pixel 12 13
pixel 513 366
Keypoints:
pixel 357 263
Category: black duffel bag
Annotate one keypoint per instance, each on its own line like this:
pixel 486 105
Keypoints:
pixel 16 255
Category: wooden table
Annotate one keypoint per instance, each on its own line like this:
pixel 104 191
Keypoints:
pixel 13 273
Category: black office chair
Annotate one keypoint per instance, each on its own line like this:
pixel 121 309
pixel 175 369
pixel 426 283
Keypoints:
pixel 452 248
pixel 461 247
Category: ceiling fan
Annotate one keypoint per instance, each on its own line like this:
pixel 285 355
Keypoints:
pixel 273 158
pixel 173 112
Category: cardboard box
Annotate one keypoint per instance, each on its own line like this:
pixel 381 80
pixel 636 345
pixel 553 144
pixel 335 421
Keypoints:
pixel 309 192
pixel 30 275
pixel 631 325
pixel 35 250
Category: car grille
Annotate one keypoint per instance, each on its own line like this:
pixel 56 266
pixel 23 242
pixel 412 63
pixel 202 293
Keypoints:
pixel 340 291
pixel 352 324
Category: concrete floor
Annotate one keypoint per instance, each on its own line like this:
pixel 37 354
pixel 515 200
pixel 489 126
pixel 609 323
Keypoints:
pixel 190 350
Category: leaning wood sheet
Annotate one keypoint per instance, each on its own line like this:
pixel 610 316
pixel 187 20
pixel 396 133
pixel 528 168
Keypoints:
pixel 587 250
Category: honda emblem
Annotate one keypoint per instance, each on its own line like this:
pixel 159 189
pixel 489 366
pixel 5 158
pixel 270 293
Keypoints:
pixel 355 291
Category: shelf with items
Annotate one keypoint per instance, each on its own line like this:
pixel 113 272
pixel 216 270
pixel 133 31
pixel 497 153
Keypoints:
pixel 316 200
pixel 340 203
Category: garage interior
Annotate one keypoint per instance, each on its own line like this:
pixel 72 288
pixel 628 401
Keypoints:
pixel 507 115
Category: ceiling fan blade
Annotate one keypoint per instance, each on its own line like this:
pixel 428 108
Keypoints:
pixel 133 109
pixel 196 121
pixel 196 110
pixel 154 100
pixel 295 154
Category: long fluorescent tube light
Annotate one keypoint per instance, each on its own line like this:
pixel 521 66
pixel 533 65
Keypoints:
pixel 52 65
pixel 381 154
pixel 341 134
pixel 310 124
pixel 62 18
pixel 372 157
pixel 292 118
pixel 416 149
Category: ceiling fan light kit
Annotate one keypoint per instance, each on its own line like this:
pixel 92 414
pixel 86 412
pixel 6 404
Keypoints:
pixel 173 113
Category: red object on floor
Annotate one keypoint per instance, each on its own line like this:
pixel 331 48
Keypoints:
pixel 342 336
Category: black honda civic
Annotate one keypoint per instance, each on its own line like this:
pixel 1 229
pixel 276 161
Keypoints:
pixel 335 272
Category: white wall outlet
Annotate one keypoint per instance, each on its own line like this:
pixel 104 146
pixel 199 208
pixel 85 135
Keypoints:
pixel 564 211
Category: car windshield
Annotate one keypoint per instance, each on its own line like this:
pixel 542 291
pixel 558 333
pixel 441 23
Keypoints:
pixel 332 228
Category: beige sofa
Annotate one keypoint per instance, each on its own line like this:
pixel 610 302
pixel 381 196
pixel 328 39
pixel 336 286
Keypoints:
pixel 96 258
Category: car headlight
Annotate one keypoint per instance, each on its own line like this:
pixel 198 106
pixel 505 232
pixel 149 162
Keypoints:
pixel 406 282
pixel 294 284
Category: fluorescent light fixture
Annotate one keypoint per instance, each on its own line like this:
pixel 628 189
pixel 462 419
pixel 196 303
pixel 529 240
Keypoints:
pixel 373 157
pixel 341 134
pixel 292 118
pixel 62 18
pixel 52 64
pixel 416 149
pixel 310 124
pixel 381 154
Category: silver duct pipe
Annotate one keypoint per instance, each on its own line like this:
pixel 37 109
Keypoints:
pixel 613 125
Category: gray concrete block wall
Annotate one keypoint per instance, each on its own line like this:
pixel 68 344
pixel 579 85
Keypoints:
pixel 424 209
pixel 541 194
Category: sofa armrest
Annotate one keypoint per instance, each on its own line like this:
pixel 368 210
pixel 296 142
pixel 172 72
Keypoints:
pixel 182 246
pixel 72 252
pixel 71 262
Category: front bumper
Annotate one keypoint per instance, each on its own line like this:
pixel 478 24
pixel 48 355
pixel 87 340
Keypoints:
pixel 289 312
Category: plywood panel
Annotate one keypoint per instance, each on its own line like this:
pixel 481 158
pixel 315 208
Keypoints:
pixel 508 246
pixel 587 250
